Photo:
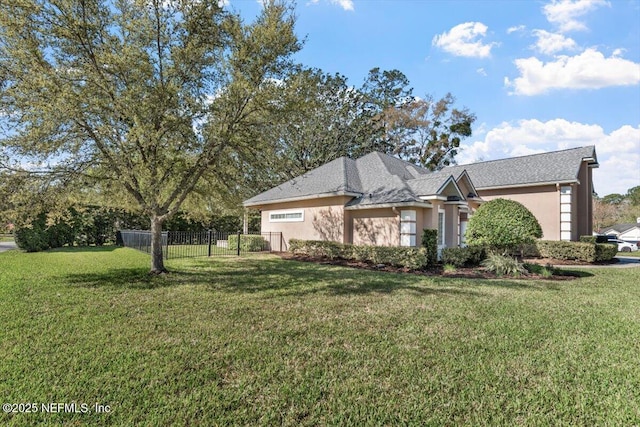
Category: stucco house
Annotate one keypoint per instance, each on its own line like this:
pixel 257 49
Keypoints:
pixel 381 200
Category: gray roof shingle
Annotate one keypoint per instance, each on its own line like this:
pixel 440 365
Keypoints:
pixel 552 167
pixel 339 176
pixel 381 179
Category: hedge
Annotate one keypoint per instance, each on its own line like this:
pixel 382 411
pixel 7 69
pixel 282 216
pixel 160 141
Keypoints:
pixel 430 243
pixel 470 256
pixel 578 251
pixel 248 242
pixel 412 258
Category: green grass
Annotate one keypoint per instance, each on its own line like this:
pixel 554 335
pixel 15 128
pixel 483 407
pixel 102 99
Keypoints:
pixel 633 254
pixel 262 341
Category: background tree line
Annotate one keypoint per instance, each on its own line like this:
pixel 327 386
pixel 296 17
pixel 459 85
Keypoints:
pixel 616 209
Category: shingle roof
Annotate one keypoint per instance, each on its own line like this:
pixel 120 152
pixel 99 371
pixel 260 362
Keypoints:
pixel 336 177
pixel 621 228
pixel 552 167
pixel 378 178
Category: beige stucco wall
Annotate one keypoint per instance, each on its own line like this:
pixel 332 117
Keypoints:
pixel 324 219
pixel 542 201
pixel 584 202
pixel 379 227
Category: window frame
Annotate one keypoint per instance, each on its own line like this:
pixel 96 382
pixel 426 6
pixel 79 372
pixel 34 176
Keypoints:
pixel 285 213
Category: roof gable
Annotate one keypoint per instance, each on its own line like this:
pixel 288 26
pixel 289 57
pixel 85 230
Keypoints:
pixel 545 168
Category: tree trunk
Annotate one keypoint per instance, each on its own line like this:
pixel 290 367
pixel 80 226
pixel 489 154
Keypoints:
pixel 157 261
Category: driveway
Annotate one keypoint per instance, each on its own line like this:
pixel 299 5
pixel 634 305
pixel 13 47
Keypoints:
pixel 6 246
pixel 623 262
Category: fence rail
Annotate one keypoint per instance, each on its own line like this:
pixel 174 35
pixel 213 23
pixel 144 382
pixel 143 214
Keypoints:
pixel 188 244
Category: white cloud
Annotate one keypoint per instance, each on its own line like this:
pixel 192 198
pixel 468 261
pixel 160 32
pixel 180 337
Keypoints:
pixel 516 29
pixel 588 70
pixel 565 13
pixel 345 4
pixel 550 43
pixel 618 151
pixel 465 40
pixel 482 72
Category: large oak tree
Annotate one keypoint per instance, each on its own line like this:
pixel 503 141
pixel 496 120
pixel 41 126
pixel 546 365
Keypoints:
pixel 145 97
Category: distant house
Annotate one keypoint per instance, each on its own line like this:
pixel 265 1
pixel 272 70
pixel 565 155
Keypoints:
pixel 630 232
pixel 381 200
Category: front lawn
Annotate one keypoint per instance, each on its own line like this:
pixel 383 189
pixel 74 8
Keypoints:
pixel 633 254
pixel 263 341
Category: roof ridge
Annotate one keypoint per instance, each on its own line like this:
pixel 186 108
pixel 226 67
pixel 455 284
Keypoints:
pixel 526 155
pixel 388 157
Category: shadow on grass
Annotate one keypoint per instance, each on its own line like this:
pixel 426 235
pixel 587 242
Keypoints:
pixel 125 278
pixel 275 278
pixel 574 273
pixel 105 248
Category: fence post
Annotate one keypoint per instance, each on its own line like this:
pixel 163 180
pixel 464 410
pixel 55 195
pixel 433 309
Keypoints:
pixel 209 249
pixel 238 242
pixel 166 256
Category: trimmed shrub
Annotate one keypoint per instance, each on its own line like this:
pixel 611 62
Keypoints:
pixel 589 239
pixel 430 244
pixel 316 248
pixel 606 251
pixel 248 242
pixel 577 251
pixel 502 225
pixel 527 250
pixel 412 258
pixel 470 256
pixel 503 265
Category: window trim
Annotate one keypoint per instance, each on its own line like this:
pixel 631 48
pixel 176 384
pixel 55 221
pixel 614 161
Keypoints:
pixel 285 212
pixel 442 236
pixel 413 215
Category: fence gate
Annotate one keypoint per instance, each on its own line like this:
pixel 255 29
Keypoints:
pixel 187 244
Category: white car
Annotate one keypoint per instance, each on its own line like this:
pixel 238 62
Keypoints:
pixel 625 246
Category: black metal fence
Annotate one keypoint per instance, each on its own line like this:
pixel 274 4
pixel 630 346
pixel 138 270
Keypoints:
pixel 187 244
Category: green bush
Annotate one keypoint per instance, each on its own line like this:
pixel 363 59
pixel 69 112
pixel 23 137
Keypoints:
pixel 33 238
pixel 248 242
pixel 469 256
pixel 606 251
pixel 317 248
pixel 577 251
pixel 413 258
pixel 588 239
pixel 503 265
pixel 430 244
pixel 502 225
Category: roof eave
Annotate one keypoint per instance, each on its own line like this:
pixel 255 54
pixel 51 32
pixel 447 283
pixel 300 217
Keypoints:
pixel 390 205
pixel 249 204
pixel 531 184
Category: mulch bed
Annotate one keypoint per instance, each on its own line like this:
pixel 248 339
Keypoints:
pixel 465 273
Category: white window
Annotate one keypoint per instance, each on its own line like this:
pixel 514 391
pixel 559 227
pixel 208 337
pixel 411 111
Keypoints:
pixel 407 228
pixel 287 216
pixel 441 228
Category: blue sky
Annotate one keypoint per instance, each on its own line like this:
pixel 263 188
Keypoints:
pixel 539 75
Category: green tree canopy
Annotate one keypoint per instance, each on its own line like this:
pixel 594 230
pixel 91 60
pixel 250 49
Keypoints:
pixel 144 97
